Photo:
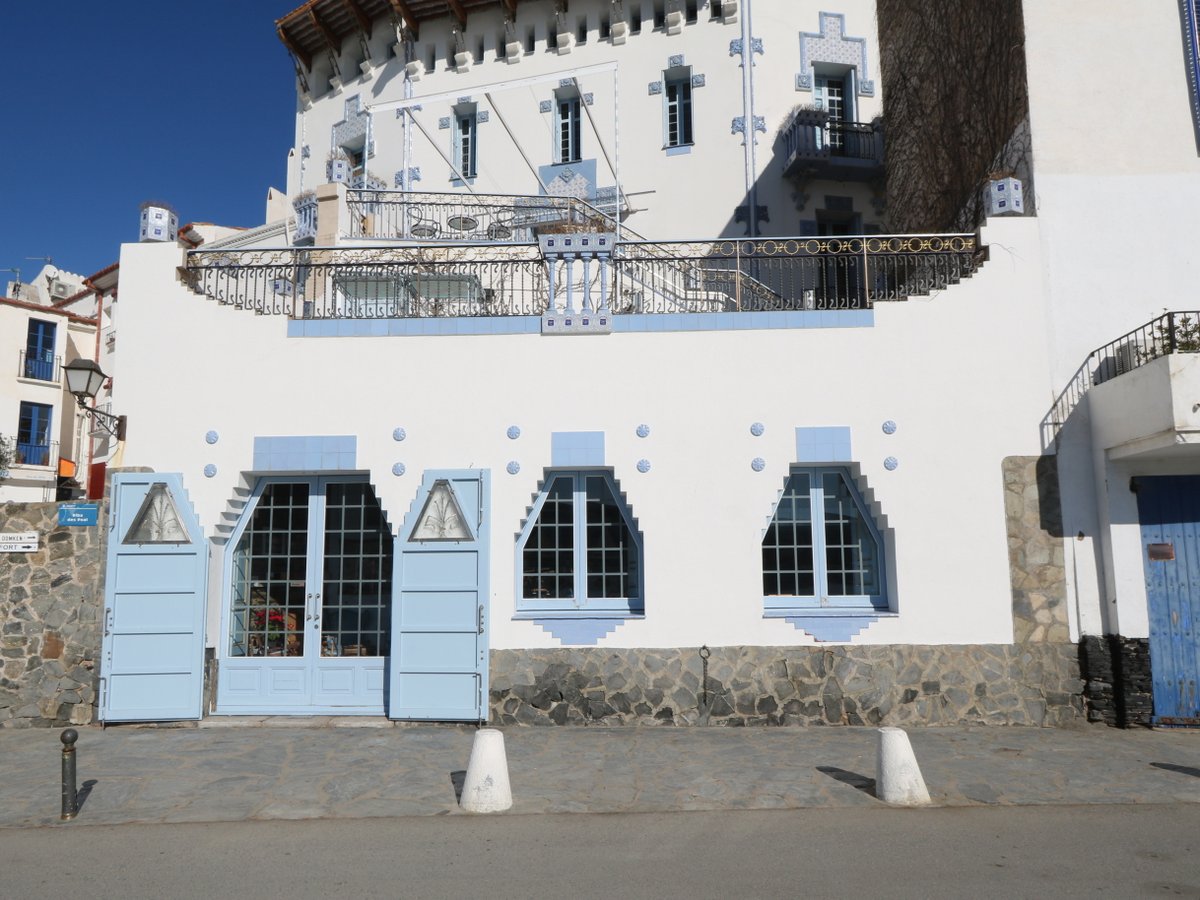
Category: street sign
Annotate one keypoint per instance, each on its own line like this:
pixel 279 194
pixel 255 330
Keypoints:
pixel 78 513
pixel 18 541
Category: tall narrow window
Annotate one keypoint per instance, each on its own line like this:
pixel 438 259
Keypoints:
pixel 821 549
pixel 831 95
pixel 580 549
pixel 33 434
pixel 465 121
pixel 570 128
pixel 679 111
pixel 39 351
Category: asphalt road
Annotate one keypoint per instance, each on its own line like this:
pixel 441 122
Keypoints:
pixel 1062 851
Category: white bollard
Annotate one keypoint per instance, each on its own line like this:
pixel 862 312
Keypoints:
pixel 486 788
pixel 898 778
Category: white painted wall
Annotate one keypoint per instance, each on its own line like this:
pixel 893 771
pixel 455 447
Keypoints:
pixel 931 365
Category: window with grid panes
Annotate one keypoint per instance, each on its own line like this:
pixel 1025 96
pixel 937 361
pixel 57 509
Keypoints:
pixel 580 549
pixel 678 97
pixel 570 127
pixel 821 549
pixel 465 121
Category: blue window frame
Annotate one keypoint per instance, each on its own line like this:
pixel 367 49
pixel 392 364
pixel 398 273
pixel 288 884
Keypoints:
pixel 33 434
pixel 822 550
pixel 678 98
pixel 580 549
pixel 570 126
pixel 465 122
pixel 39 350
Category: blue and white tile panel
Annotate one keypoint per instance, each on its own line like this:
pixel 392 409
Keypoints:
pixel 308 453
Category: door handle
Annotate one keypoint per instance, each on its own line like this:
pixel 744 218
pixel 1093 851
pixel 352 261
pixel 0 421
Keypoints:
pixel 108 617
pixel 481 618
pixel 308 607
pixel 316 615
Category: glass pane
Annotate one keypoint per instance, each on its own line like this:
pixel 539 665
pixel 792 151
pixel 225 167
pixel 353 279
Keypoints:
pixel 612 558
pixel 548 559
pixel 356 594
pixel 267 615
pixel 851 555
pixel 787 547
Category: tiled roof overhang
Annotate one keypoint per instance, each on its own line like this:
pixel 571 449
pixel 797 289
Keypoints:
pixel 323 24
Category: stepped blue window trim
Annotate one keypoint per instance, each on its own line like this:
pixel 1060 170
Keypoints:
pixel 823 445
pixel 308 453
pixel 39 350
pixel 822 550
pixel 33 434
pixel 576 448
pixel 579 553
pixel 585 632
pixel 837 628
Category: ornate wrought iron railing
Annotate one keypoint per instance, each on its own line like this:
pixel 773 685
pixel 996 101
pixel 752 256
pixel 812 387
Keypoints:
pixel 635 277
pixel 812 135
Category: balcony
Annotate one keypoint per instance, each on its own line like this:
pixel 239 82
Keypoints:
pixel 582 272
pixel 35 454
pixel 1144 389
pixel 39 367
pixel 815 146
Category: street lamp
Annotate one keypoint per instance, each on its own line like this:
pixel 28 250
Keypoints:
pixel 84 380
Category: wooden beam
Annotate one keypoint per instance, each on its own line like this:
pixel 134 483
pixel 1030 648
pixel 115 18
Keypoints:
pixel 331 41
pixel 511 7
pixel 364 21
pixel 459 13
pixel 295 49
pixel 400 8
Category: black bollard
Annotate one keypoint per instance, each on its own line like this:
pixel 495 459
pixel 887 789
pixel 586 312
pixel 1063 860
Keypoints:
pixel 70 800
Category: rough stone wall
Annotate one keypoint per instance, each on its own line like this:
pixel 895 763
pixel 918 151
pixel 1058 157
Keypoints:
pixel 1033 519
pixel 50 613
pixel 1117 682
pixel 1035 684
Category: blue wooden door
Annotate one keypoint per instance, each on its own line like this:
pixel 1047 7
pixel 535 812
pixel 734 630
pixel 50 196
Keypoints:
pixel 1169 513
pixel 438 667
pixel 152 665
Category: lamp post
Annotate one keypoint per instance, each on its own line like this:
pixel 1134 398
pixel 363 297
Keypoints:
pixel 84 380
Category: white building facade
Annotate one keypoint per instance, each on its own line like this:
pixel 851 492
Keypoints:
pixel 586 385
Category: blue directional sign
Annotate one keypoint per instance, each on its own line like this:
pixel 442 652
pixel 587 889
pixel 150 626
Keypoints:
pixel 78 513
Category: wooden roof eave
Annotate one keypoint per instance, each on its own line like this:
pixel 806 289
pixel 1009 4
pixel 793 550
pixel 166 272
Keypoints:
pixel 301 55
pixel 400 8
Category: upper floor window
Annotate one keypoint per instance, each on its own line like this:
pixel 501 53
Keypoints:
pixel 677 95
pixel 570 126
pixel 39 351
pixel 465 122
pixel 822 550
pixel 33 434
pixel 579 549
pixel 835 94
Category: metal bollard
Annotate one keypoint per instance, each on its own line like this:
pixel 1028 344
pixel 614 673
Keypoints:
pixel 70 800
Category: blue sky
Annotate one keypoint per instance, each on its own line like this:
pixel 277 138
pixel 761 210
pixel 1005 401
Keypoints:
pixel 107 104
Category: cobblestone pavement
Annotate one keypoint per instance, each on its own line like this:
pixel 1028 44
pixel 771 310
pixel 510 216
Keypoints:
pixel 237 769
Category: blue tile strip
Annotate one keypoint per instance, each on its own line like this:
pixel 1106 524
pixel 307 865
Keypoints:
pixel 579 631
pixel 717 321
pixel 308 453
pixel 823 445
pixel 569 449
pixel 832 628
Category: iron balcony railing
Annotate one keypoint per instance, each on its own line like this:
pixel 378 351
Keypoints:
pixel 1173 332
pixel 39 366
pixel 636 277
pixel 812 138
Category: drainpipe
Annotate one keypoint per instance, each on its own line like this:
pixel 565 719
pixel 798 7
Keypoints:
pixel 748 119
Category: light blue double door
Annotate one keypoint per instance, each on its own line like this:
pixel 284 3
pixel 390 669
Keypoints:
pixel 314 621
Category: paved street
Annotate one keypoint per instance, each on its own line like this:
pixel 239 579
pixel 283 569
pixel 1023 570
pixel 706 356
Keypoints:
pixel 229 770
pixel 1057 851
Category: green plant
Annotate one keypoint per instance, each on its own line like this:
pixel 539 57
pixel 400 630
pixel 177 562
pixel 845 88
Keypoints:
pixel 1177 333
pixel 8 453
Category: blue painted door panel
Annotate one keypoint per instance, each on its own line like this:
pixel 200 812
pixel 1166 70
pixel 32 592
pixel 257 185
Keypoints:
pixel 438 666
pixel 152 657
pixel 1169 513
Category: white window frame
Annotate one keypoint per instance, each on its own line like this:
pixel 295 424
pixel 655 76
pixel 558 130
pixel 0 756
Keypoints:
pixel 466 141
pixel 820 599
pixel 580 603
pixel 568 126
pixel 681 133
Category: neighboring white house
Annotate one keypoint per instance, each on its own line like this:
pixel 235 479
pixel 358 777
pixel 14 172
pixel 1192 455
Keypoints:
pixel 585 384
pixel 44 324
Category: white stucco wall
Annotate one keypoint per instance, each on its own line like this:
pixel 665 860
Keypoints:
pixel 935 366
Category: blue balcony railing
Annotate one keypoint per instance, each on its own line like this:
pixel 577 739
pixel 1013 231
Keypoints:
pixel 39 367
pixel 31 454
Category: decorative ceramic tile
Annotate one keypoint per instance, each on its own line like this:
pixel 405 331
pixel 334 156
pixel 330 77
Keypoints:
pixel 398 469
pixel 399 434
pixel 758 464
pixel 513 467
pixel 643 431
pixel 891 463
pixel 757 429
pixel 643 466
pixel 212 437
pixel 513 432
pixel 889 427
pixel 210 470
